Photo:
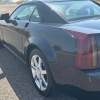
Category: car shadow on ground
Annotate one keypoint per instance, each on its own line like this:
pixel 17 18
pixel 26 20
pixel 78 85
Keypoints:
pixel 19 77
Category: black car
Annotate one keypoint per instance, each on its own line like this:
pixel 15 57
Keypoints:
pixel 59 40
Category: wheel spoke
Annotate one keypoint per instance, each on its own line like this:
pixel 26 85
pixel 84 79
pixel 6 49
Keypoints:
pixel 32 63
pixel 39 72
pixel 43 80
pixel 33 72
pixel 37 81
pixel 41 86
pixel 39 62
pixel 35 61
pixel 43 72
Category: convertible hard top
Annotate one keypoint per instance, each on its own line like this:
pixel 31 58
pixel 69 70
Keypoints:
pixel 55 0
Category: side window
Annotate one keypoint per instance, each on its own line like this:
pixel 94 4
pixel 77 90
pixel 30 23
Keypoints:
pixel 35 16
pixel 23 12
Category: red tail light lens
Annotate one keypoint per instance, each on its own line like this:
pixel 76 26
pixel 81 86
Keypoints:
pixel 86 54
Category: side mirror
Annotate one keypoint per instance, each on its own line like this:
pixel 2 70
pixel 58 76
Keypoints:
pixel 4 17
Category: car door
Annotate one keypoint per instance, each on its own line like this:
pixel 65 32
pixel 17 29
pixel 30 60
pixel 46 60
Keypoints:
pixel 14 31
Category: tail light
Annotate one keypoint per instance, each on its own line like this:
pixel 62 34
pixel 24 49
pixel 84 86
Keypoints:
pixel 86 54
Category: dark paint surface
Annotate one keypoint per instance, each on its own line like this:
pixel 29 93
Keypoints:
pixel 56 43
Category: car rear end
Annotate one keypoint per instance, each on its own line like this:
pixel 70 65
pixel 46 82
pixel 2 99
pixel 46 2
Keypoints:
pixel 81 66
pixel 86 71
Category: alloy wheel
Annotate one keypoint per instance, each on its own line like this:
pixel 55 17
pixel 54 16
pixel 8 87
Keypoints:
pixel 39 72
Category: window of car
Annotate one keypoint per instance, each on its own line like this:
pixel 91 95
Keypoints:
pixel 23 12
pixel 35 17
pixel 48 16
pixel 75 9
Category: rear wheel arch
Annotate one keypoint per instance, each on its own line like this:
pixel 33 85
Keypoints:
pixel 30 48
pixel 45 49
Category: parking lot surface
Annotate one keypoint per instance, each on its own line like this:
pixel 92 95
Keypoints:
pixel 16 83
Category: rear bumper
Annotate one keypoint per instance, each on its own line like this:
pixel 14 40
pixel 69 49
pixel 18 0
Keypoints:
pixel 77 78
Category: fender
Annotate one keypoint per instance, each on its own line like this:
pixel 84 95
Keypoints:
pixel 43 45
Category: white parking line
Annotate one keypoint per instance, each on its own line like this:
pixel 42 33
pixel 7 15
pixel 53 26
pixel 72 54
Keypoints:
pixel 6 90
pixel 1 72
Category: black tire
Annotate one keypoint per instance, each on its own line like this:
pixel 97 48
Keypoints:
pixel 51 84
pixel 1 44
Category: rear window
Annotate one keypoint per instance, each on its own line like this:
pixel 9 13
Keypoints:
pixel 75 9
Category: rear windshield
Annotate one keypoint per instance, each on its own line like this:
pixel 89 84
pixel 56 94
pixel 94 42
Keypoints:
pixel 75 9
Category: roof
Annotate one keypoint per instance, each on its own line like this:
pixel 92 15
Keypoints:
pixel 48 1
pixel 51 0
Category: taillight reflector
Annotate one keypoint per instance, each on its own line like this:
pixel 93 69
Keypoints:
pixel 86 55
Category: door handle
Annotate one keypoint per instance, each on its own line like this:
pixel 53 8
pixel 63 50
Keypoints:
pixel 26 25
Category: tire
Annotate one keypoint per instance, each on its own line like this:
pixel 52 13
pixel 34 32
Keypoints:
pixel 46 86
pixel 1 44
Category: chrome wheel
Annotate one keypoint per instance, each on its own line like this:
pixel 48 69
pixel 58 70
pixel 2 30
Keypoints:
pixel 39 72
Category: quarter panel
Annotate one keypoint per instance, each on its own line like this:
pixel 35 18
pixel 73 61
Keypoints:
pixel 57 45
pixel 58 39
pixel 43 45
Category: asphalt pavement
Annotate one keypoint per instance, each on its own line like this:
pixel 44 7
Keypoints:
pixel 16 83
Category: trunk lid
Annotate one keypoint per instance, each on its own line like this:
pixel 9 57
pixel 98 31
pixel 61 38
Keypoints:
pixel 90 26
